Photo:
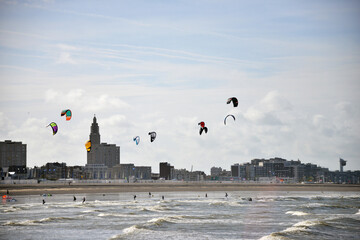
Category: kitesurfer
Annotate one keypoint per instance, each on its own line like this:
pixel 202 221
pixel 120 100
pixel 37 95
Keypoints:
pixel 83 200
pixel 134 197
pixel 226 195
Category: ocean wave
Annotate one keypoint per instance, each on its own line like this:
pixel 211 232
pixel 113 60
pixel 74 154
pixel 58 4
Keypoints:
pixel 297 213
pixel 309 223
pixel 158 208
pixel 161 221
pixel 37 222
pixel 113 215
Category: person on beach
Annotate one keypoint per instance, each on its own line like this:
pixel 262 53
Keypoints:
pixel 149 194
pixel 134 197
pixel 43 201
pixel 74 198
pixel 83 200
pixel 162 197
pixel 7 191
pixel 205 194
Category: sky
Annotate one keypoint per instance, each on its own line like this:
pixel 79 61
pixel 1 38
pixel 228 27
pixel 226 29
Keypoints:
pixel 164 66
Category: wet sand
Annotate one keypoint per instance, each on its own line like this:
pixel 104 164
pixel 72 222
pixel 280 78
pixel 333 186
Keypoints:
pixel 75 188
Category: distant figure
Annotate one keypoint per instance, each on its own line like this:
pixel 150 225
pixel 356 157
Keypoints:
pixel 162 197
pixel 226 195
pixel 134 197
pixel 7 192
pixel 149 194
pixel 250 199
pixel 206 195
pixel 74 198
pixel 103 195
pixel 83 200
pixel 43 201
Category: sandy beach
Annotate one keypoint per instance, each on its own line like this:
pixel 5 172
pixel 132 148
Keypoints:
pixel 35 189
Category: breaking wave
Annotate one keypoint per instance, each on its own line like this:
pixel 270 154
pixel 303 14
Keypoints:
pixel 297 213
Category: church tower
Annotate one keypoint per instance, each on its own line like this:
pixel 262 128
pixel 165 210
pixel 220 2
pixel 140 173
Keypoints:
pixel 94 132
pixel 101 153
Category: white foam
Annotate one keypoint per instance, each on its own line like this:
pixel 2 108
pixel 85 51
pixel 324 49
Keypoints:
pixel 297 213
pixel 131 229
pixel 306 223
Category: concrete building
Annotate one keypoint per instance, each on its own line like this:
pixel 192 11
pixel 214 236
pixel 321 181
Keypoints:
pixel 130 171
pixel 123 171
pixel 101 153
pixel 165 170
pixel 96 171
pixel 342 164
pixel 143 172
pixel 12 158
pixel 185 175
pixel 215 171
pixel 235 170
pixel 53 171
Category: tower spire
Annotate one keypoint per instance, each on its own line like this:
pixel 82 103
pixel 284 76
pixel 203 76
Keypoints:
pixel 94 132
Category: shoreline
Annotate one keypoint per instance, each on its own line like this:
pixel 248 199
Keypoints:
pixel 36 189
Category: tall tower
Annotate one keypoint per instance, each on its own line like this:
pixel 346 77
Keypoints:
pixel 94 132
pixel 342 163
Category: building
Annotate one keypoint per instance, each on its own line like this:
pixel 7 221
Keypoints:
pixel 53 171
pixel 96 171
pixel 123 171
pixel 12 158
pixel 165 170
pixel 143 172
pixel 130 171
pixel 215 171
pixel 185 175
pixel 342 164
pixel 101 153
pixel 235 170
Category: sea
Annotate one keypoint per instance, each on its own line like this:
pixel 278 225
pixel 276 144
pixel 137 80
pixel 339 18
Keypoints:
pixel 184 215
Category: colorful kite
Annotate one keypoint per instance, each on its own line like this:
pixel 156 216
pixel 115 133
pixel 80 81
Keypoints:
pixel 88 145
pixel 68 114
pixel 233 100
pixel 137 140
pixel 54 127
pixel 202 127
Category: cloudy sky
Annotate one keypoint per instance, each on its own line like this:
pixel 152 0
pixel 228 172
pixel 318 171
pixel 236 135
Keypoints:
pixel 164 66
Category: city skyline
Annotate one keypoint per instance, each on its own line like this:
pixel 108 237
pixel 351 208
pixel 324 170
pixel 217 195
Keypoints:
pixel 165 66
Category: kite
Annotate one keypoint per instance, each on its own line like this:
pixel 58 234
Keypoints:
pixel 152 136
pixel 227 117
pixel 137 140
pixel 88 145
pixel 68 114
pixel 233 100
pixel 54 127
pixel 203 128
